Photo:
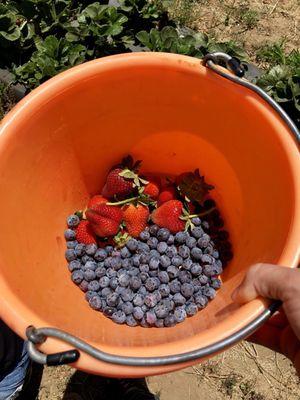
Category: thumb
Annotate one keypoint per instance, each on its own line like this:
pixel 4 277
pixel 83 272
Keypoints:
pixel 266 280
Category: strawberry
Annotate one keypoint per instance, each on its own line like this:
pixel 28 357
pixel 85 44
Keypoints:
pixel 84 233
pixel 95 200
pixel 135 218
pixel 117 185
pixel 152 190
pixel 105 219
pixel 168 193
pixel 168 216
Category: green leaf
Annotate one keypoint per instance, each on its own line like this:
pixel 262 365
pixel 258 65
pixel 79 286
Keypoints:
pixel 144 38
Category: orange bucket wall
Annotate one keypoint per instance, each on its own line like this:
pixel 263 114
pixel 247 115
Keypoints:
pixel 56 147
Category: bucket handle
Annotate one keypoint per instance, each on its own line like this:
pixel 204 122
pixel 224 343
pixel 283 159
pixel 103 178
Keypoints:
pixel 37 336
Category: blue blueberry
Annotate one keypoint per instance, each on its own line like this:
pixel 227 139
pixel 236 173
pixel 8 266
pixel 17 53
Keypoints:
pixel 169 304
pixel 100 255
pixel 205 225
pixel 154 253
pixel 161 311
pixel 85 258
pixel 75 264
pixel 119 317
pixel 152 242
pixel 163 234
pixel 200 300
pixel 154 263
pixel 178 299
pixel 136 260
pixel 171 240
pixel 196 253
pixel 135 283
pixel 175 286
pixel 111 273
pixel 215 254
pixel 106 291
pixel 203 241
pixel 89 294
pixel 107 262
pixel 70 234
pixel 124 279
pixel 164 290
pixel 100 271
pixel 172 271
pixel 116 263
pixel 165 261
pixel 125 253
pixel 143 248
pixel 163 276
pixel 145 235
pixel 191 309
pixel 184 276
pixel 169 321
pixel 144 258
pixel 72 221
pixel 162 247
pixel 107 311
pixel 90 265
pixel 197 232
pixel 116 253
pixel 209 292
pixel 144 276
pixel 152 284
pixel 95 302
pixel 113 283
pixel 207 259
pixel 216 283
pixel 151 317
pixel 159 323
pixel 184 251
pixel 153 273
pixel 109 249
pixel 138 313
pixel 180 237
pixel 196 221
pixel 138 300
pixel 187 290
pixel 157 295
pixel 144 308
pixel 132 244
pixel 144 323
pixel 197 284
pixel 171 251
pixel 127 295
pixel 130 321
pixel 209 249
pixel 150 300
pixel 84 286
pixel 112 300
pixel 89 275
pixel 104 282
pixel 70 255
pixel 203 279
pixel 91 249
pixel 71 244
pixel 208 270
pixel 126 263
pixel 153 230
pixel 187 264
pixel 196 269
pixel 133 271
pixel 142 290
pixel 179 314
pixel 94 286
pixel 191 242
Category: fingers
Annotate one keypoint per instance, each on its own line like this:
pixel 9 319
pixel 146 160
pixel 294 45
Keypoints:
pixel 269 281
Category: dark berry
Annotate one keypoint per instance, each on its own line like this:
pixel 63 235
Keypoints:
pixel 152 242
pixel 130 321
pixel 94 286
pixel 90 265
pixel 104 282
pixel 153 230
pixel 180 237
pixel 187 290
pixel 150 300
pixel 203 279
pixel 154 263
pixel 138 300
pixel 184 276
pixel 184 251
pixel 164 290
pixel 196 253
pixel 132 244
pixel 187 264
pixel 127 308
pixel 162 247
pixel 89 275
pixel 112 300
pixel 75 264
pixel 91 249
pixel 165 261
pixel 70 255
pixel 95 302
pixel 196 221
pixel 163 234
pixel 138 313
pixel 84 285
pixel 135 283
pixel 163 276
pixel 216 283
pixel 179 314
pixel 159 323
pixel 72 244
pixel 174 286
pixel 70 234
pixel 172 271
pixel 119 317
pixel 136 260
pixel 127 295
pixel 209 292
pixel 200 300
pixel 152 284
pixel 100 255
pixel 191 309
pixel 171 251
pixel 116 263
pixel 145 235
pixel 169 321
pixel 72 221
pixel 177 261
pixel 191 242
pixel 113 283
pixel 196 269
pixel 178 299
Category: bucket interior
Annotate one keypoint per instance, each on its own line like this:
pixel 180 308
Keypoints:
pixel 174 116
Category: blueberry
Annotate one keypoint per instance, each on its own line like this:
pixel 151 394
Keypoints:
pixel 75 264
pixel 171 251
pixel 196 253
pixel 138 313
pixel 154 263
pixel 165 261
pixel 145 235
pixel 144 323
pixel 191 242
pixel 180 237
pixel 172 271
pixel 197 232
pixel 159 323
pixel 120 304
pixel 100 271
pixel 104 282
pixel 209 249
pixel 177 261
pixel 205 225
pixel 126 263
pixel 163 234
pixel 169 304
pixel 208 270
pixel 162 247
pixel 179 314
pixel 116 253
pixel 207 259
pixel 191 309
pixel 84 286
pixel 111 273
pixel 174 286
pixel 127 295
pixel 187 264
pixel 130 321
pixel 112 299
pixel 216 283
pixel 86 258
pixel 89 294
pixel 106 291
pixel 144 276
pixel 144 308
pixel 152 242
pixel 133 271
pixel 72 221
pixel 119 317
pixel 90 265
pixel 113 283
pixel 138 300
pixel 144 258
pixel 184 276
pixel 100 255
pixel 124 279
pixel 151 317
pixel 203 241
pixel 109 249
pixel 116 263
pixel 154 253
pixel 161 311
pixel 70 254
pixel 142 290
pixel 135 283
pixel 72 244
pixel 164 290
pixel 91 249
pixel 153 230
pixel 169 321
pixel 187 290
pixel 178 299
pixel 132 244
pixel 215 254
pixel 163 276
pixel 184 251
pixel 70 234
pixel 108 311
pixel 196 221
pixel 203 279
pixel 153 273
pixel 107 262
pixel 89 275
pixel 151 284
pixel 171 240
pixel 200 300
pixel 94 286
pixel 136 260
pixel 157 295
pixel 196 269
pixel 217 268
pixel 143 248
pixel 125 253
pixel 209 292
pixel 197 284
pixel 150 300
pixel 95 302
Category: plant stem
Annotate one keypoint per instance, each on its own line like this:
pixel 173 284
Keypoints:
pixel 119 203
pixel 185 218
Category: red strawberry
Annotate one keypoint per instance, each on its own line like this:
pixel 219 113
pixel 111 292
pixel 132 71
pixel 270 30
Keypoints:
pixel 117 185
pixel 95 200
pixel 152 189
pixel 84 233
pixel 167 216
pixel 135 218
pixel 105 220
pixel 168 193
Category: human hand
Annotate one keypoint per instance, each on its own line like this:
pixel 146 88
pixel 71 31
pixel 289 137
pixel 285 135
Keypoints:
pixel 282 332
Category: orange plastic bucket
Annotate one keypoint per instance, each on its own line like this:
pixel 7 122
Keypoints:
pixel 55 149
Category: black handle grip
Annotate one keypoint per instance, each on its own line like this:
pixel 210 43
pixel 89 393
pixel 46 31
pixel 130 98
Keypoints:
pixel 235 65
pixel 66 357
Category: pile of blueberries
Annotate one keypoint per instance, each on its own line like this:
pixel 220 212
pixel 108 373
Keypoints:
pixel 157 280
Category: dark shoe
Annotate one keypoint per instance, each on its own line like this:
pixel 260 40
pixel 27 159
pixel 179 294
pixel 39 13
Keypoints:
pixel 134 389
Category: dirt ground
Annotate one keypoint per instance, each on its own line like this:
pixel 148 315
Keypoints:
pixel 251 23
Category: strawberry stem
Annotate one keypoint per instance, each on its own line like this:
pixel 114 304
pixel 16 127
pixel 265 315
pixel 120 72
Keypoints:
pixel 202 214
pixel 119 203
